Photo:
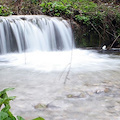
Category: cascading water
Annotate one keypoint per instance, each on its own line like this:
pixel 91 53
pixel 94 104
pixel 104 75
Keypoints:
pixel 45 43
pixel 34 33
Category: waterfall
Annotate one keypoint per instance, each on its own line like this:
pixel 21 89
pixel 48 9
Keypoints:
pixel 30 33
pixel 44 43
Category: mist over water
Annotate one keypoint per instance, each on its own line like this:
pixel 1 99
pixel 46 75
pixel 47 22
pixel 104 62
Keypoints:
pixel 79 60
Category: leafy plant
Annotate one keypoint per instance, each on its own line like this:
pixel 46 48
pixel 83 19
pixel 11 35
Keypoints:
pixel 55 8
pixel 5 113
pixel 4 11
pixel 84 19
pixel 35 1
pixel 87 6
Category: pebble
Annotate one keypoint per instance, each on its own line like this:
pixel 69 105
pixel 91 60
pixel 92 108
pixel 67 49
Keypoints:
pixel 81 95
pixel 38 106
pixel 106 90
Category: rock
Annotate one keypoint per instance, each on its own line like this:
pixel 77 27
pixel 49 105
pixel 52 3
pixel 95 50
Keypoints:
pixel 106 90
pixel 39 106
pixel 90 93
pixel 70 96
pixel 44 106
pixel 81 95
pixel 98 91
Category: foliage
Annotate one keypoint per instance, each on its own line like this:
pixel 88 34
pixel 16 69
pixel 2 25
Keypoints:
pixel 87 6
pixel 5 113
pixel 67 7
pixel 35 1
pixel 84 19
pixel 4 11
pixel 55 8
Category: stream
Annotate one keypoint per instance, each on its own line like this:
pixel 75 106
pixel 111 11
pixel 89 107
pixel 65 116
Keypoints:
pixel 63 85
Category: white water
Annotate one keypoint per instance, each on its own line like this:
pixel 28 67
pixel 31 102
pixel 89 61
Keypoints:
pixel 39 41
pixel 31 33
pixel 80 60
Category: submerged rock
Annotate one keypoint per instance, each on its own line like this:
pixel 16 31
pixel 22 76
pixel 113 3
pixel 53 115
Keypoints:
pixel 81 95
pixel 39 106
pixel 44 106
pixel 105 90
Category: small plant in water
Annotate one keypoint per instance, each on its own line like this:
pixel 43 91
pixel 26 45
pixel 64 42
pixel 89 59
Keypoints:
pixel 5 113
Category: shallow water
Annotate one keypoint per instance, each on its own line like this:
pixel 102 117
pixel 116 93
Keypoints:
pixel 91 91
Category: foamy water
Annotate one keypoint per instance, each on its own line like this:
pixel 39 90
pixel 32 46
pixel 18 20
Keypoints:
pixel 77 59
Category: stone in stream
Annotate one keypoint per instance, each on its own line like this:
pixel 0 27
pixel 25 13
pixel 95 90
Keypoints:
pixel 44 106
pixel 81 95
pixel 39 106
pixel 106 90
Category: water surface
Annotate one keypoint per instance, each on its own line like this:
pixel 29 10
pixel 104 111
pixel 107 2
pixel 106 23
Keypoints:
pixel 91 91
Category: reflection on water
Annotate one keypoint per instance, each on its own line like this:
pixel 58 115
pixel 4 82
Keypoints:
pixel 91 91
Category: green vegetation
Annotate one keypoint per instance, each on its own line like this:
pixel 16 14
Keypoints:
pixel 55 8
pixel 5 113
pixel 5 11
pixel 67 7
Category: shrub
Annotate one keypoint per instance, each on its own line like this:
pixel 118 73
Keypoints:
pixel 4 11
pixel 5 113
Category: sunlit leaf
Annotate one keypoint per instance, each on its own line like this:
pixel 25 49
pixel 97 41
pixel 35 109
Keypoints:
pixel 5 90
pixel 39 118
pixel 6 108
pixel 20 118
pixel 3 115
